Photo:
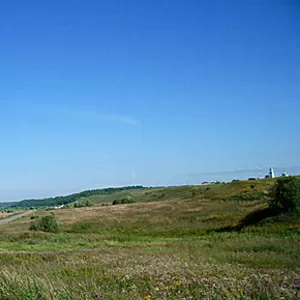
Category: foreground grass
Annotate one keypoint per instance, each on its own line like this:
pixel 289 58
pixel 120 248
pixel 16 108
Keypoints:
pixel 171 249
pixel 218 266
pixel 180 272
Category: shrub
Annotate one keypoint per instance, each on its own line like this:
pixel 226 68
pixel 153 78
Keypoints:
pixel 126 200
pixel 34 217
pixel 88 203
pixel 286 195
pixel 46 224
pixel 33 226
pixel 80 204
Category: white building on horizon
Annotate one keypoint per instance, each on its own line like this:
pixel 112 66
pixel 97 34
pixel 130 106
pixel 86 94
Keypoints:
pixel 271 173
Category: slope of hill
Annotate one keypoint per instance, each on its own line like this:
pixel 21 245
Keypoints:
pixel 53 201
pixel 236 190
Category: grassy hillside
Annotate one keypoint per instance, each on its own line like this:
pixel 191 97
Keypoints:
pixel 53 201
pixel 174 243
pixel 237 190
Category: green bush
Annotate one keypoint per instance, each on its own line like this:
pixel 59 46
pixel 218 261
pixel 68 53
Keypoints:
pixel 33 226
pixel 126 200
pixel 286 195
pixel 34 217
pixel 46 224
pixel 86 203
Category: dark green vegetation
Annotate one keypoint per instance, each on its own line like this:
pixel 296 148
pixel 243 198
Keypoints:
pixel 83 203
pixel 286 195
pixel 126 200
pixel 189 242
pixel 46 224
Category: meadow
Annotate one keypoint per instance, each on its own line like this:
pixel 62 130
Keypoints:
pixel 172 243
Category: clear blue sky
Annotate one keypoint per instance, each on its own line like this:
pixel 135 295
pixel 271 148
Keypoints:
pixel 104 93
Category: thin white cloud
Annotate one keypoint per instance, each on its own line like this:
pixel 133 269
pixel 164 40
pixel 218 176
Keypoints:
pixel 86 114
pixel 89 115
pixel 118 118
pixel 133 175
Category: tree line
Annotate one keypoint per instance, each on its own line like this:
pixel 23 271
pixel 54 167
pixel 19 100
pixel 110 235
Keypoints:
pixel 64 200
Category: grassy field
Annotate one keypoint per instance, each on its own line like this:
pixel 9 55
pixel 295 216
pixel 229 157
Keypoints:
pixel 174 243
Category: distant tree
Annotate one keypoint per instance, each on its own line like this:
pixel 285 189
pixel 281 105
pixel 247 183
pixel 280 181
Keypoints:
pixel 51 202
pixel 82 203
pixel 251 178
pixel 32 217
pixel 88 203
pixel 286 195
pixel 125 200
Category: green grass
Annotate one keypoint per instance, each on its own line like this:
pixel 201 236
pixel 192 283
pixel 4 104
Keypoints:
pixel 175 243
